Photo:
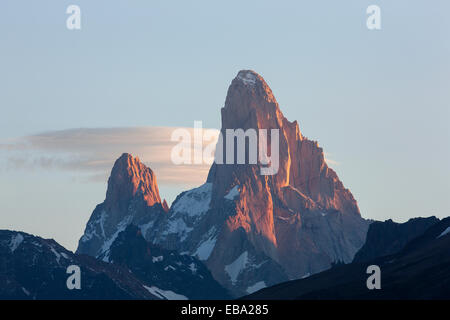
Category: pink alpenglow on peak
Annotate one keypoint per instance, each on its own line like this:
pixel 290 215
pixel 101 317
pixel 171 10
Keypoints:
pixel 249 229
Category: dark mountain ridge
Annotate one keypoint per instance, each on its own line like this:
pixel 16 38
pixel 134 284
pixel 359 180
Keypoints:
pixel 420 270
pixel 36 268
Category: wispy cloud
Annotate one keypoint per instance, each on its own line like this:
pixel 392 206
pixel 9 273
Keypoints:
pixel 92 151
pixel 330 161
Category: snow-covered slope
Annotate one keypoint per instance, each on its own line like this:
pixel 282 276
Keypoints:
pixel 166 272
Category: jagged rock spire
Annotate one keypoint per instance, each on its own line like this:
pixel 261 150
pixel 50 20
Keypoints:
pixel 132 197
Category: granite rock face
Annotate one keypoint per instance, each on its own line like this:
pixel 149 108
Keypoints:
pixel 291 224
pixel 252 230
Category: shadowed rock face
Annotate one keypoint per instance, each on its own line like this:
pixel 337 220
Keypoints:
pixel 34 268
pixel 251 230
pixel 386 238
pixel 419 270
pixel 184 275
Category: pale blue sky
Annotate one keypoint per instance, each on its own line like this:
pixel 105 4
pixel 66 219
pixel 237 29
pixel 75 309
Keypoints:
pixel 377 101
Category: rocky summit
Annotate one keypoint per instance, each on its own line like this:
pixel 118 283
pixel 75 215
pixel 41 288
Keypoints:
pixel 132 198
pixel 251 230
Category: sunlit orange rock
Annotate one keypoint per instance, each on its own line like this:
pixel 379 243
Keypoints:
pixel 303 218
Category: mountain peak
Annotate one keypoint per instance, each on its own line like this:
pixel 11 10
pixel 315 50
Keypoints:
pixel 249 228
pixel 130 177
pixel 127 161
pixel 249 86
pixel 127 158
pixel 132 197
pixel 272 213
pixel 248 77
pixel 250 103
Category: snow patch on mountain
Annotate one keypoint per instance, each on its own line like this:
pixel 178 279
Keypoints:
pixel 193 268
pixel 237 266
pixel 179 227
pixel 446 231
pixel 169 267
pixel 194 202
pixel 91 232
pixel 247 77
pixel 165 294
pixel 145 227
pixel 65 256
pixel 15 242
pixel 104 251
pixel 232 194
pixel 257 286
pixel 205 248
pixel 57 255
pixel 187 210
